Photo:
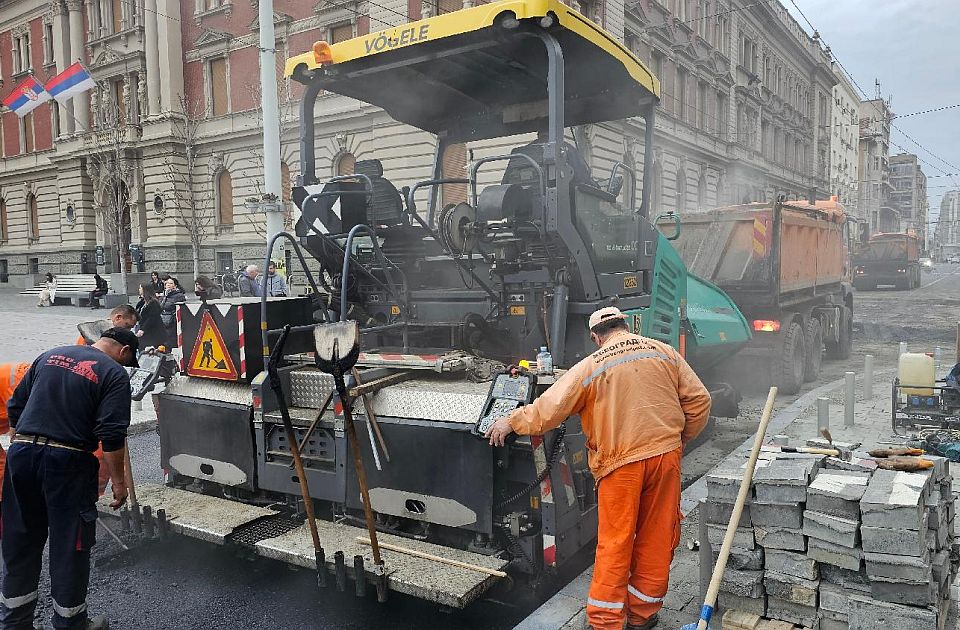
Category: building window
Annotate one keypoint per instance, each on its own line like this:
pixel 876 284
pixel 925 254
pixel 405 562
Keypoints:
pixel 723 31
pixel 219 92
pixel 21 53
pixel 681 96
pixel 33 265
pixel 454 165
pixel 26 133
pixel 702 19
pixel 437 7
pixel 48 44
pixel 656 60
pixel 722 115
pixel 116 10
pixel 4 226
pixel 346 164
pixel 120 105
pixel 224 198
pixel 55 118
pixel 33 215
pixel 224 262
pixel 341 33
pixel 702 106
pixel 680 10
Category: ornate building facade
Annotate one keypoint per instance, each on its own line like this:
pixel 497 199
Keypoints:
pixel 745 115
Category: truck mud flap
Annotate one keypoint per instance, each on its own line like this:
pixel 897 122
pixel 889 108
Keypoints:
pixel 278 537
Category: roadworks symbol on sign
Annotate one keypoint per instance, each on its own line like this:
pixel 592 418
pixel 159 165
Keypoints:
pixel 210 358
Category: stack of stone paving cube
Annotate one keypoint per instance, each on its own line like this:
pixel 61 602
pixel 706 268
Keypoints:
pixel 823 543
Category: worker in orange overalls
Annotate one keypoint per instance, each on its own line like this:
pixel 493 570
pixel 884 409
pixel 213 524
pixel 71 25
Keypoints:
pixel 639 403
pixel 10 376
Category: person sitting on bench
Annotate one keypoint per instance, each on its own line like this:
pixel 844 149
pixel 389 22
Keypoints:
pixel 99 292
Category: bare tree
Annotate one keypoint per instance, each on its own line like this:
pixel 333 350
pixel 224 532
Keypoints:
pixel 112 165
pixel 192 205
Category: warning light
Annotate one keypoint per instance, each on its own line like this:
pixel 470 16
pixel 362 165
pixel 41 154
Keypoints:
pixel 257 401
pixel 766 325
pixel 322 53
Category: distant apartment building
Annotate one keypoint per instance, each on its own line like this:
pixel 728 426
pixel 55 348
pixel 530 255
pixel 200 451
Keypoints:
pixel 909 193
pixel 875 187
pixel 845 144
pixel 946 241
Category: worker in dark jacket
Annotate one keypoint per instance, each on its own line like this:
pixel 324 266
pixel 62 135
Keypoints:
pixel 71 399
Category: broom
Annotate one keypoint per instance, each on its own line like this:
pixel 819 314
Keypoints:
pixel 711 599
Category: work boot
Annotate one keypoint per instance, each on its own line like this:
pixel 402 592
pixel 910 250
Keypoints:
pixel 98 623
pixel 647 625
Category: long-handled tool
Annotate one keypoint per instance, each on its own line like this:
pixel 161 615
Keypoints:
pixel 337 351
pixel 371 416
pixel 435 558
pixel 711 599
pixel 273 369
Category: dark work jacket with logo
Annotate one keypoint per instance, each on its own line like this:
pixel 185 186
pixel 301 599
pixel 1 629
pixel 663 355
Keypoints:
pixel 77 395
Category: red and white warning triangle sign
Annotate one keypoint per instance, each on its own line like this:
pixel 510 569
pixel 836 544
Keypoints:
pixel 210 358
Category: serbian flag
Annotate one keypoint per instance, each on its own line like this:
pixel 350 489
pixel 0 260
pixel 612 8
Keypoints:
pixel 26 97
pixel 70 82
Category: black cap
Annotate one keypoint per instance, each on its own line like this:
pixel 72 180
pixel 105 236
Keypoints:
pixel 124 337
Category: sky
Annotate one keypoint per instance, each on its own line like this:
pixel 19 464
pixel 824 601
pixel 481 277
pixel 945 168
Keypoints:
pixel 913 49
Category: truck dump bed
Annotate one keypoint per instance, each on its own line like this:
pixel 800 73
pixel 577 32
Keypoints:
pixel 766 254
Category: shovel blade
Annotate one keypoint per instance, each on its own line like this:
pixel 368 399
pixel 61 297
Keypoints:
pixel 337 345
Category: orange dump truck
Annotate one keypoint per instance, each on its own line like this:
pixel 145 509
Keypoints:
pixel 786 265
pixel 888 258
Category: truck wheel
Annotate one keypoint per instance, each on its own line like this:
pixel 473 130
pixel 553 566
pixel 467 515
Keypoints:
pixel 789 365
pixel 842 348
pixel 814 354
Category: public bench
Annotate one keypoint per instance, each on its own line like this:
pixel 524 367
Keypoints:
pixel 72 288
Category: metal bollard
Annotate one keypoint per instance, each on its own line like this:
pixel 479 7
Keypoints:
pixel 849 397
pixel 823 414
pixel 125 519
pixel 136 519
pixel 868 377
pixel 903 348
pixel 321 557
pixel 148 521
pixel 380 575
pixel 340 571
pixel 359 576
pixel 162 525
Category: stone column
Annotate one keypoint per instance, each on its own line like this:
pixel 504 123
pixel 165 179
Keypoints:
pixel 61 55
pixel 171 54
pixel 152 50
pixel 81 102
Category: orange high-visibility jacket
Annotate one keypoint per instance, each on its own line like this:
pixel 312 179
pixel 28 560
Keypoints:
pixel 10 376
pixel 637 398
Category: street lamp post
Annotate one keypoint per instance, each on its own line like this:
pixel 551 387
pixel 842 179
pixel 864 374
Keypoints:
pixel 273 192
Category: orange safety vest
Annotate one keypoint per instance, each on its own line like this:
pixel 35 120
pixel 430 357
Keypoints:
pixel 10 376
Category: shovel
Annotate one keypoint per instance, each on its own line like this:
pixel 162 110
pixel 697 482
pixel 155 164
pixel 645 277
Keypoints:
pixel 337 351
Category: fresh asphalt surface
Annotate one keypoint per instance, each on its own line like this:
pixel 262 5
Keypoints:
pixel 181 583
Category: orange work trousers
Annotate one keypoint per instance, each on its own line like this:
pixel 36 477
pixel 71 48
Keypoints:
pixel 638 530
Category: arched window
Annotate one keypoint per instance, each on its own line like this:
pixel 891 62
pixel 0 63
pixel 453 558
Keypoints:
pixel 34 215
pixel 4 226
pixel 346 165
pixel 286 186
pixel 224 198
pixel 454 165
pixel 681 191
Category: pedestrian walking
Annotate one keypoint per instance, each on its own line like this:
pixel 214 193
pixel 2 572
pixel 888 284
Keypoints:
pixel 10 376
pixel 206 289
pixel 156 283
pixel 98 292
pixel 247 282
pixel 276 284
pixel 48 294
pixel 149 328
pixel 172 296
pixel 639 403
pixel 70 400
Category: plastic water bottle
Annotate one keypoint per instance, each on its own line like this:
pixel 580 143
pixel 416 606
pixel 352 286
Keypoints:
pixel 544 361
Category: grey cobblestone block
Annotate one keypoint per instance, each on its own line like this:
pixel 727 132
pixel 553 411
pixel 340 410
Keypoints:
pixel 845 578
pixel 723 486
pixel 940 564
pixel 755 605
pixel 791 588
pixel 781 538
pixel 777 514
pixel 898 567
pixel 783 480
pixel 820 442
pixel 794 613
pixel 894 499
pixel 742 559
pixel 837 555
pixel 839 531
pixel 827 623
pixel 719 512
pixel 743 583
pixel 895 541
pixel 858 462
pixel 742 538
pixel 790 563
pixel 834 599
pixel 837 493
pixel 908 593
pixel 867 613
